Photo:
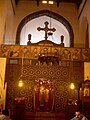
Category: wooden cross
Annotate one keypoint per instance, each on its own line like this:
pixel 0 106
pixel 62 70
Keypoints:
pixel 46 29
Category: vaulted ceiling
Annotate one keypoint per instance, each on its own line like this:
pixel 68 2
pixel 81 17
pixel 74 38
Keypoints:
pixel 77 2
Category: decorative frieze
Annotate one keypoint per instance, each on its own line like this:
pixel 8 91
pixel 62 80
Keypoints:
pixel 34 51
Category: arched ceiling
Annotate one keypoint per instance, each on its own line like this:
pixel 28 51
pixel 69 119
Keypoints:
pixel 77 2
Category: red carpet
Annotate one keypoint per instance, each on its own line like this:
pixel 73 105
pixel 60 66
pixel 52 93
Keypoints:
pixel 44 116
pixel 41 116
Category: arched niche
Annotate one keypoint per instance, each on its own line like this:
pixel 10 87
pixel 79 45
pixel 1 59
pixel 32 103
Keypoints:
pixel 43 95
pixel 47 13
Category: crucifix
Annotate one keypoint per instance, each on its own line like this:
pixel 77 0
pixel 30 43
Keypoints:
pixel 46 29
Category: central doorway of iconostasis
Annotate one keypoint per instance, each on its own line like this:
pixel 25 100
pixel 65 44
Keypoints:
pixel 43 95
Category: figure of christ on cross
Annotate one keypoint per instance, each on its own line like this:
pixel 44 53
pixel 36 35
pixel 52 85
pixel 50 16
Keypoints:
pixel 46 29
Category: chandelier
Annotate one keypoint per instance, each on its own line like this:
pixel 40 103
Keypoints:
pixel 20 83
pixel 48 59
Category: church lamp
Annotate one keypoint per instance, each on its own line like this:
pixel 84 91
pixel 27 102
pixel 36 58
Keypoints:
pixel 72 86
pixel 20 84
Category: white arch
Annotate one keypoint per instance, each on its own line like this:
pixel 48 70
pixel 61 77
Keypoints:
pixel 31 28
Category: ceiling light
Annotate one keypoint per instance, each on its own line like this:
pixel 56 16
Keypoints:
pixel 50 2
pixel 44 1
